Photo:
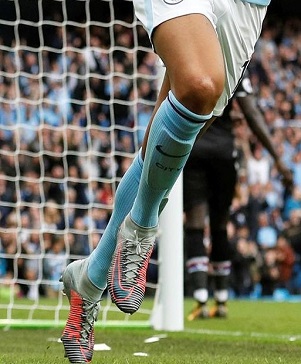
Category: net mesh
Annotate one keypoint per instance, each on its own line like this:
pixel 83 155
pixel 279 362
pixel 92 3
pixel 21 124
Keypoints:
pixel 77 87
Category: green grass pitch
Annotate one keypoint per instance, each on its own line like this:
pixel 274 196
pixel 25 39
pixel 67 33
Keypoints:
pixel 254 332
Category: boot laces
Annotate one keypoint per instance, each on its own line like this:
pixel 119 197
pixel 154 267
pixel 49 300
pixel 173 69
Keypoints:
pixel 136 251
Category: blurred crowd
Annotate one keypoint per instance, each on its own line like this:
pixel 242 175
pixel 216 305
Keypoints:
pixel 72 117
pixel 265 226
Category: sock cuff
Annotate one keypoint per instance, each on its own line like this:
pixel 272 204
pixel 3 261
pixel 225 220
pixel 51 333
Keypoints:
pixel 186 112
pixel 201 295
pixel 221 269
pixel 197 264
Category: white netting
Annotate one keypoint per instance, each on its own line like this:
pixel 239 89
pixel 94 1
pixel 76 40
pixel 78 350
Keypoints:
pixel 77 87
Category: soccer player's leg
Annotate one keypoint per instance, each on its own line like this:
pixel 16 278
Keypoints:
pixel 221 275
pixel 84 281
pixel 195 86
pixel 196 253
pixel 223 186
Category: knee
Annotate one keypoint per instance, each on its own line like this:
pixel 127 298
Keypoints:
pixel 200 93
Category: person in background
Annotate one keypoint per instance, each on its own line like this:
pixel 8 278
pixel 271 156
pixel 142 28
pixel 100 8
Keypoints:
pixel 210 177
pixel 285 257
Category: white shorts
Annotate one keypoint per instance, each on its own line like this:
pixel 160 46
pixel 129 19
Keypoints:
pixel 238 26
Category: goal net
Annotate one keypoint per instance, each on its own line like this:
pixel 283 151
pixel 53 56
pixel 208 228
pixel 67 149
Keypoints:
pixel 78 83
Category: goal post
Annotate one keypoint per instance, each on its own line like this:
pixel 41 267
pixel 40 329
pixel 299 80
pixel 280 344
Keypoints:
pixel 168 311
pixel 78 83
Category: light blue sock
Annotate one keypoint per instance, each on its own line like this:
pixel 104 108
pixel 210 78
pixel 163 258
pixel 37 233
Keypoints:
pixel 170 141
pixel 100 259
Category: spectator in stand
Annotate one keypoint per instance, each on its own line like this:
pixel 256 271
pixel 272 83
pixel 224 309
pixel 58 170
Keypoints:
pixel 89 161
pixel 297 105
pixel 144 113
pixel 108 166
pixel 273 197
pixel 258 167
pixel 7 161
pixel 100 218
pixel 126 143
pixel 59 99
pixel 34 215
pixel 7 196
pixel 292 230
pixel 243 260
pixel 119 88
pixel 53 217
pixel 145 95
pixel 97 60
pixel 296 167
pixel 30 64
pixel 80 247
pixel 25 232
pixel 8 119
pixel 54 262
pixel 266 236
pixel 285 257
pixel 57 187
pixel 256 204
pixel 269 272
pixel 124 166
pixel 32 248
pixel 28 123
pixel 49 114
pixel 30 188
pixel 124 40
pixel 78 183
pixel 292 202
pixel 276 220
pixel 9 246
pixel 12 247
pixel 105 194
pixel 289 144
